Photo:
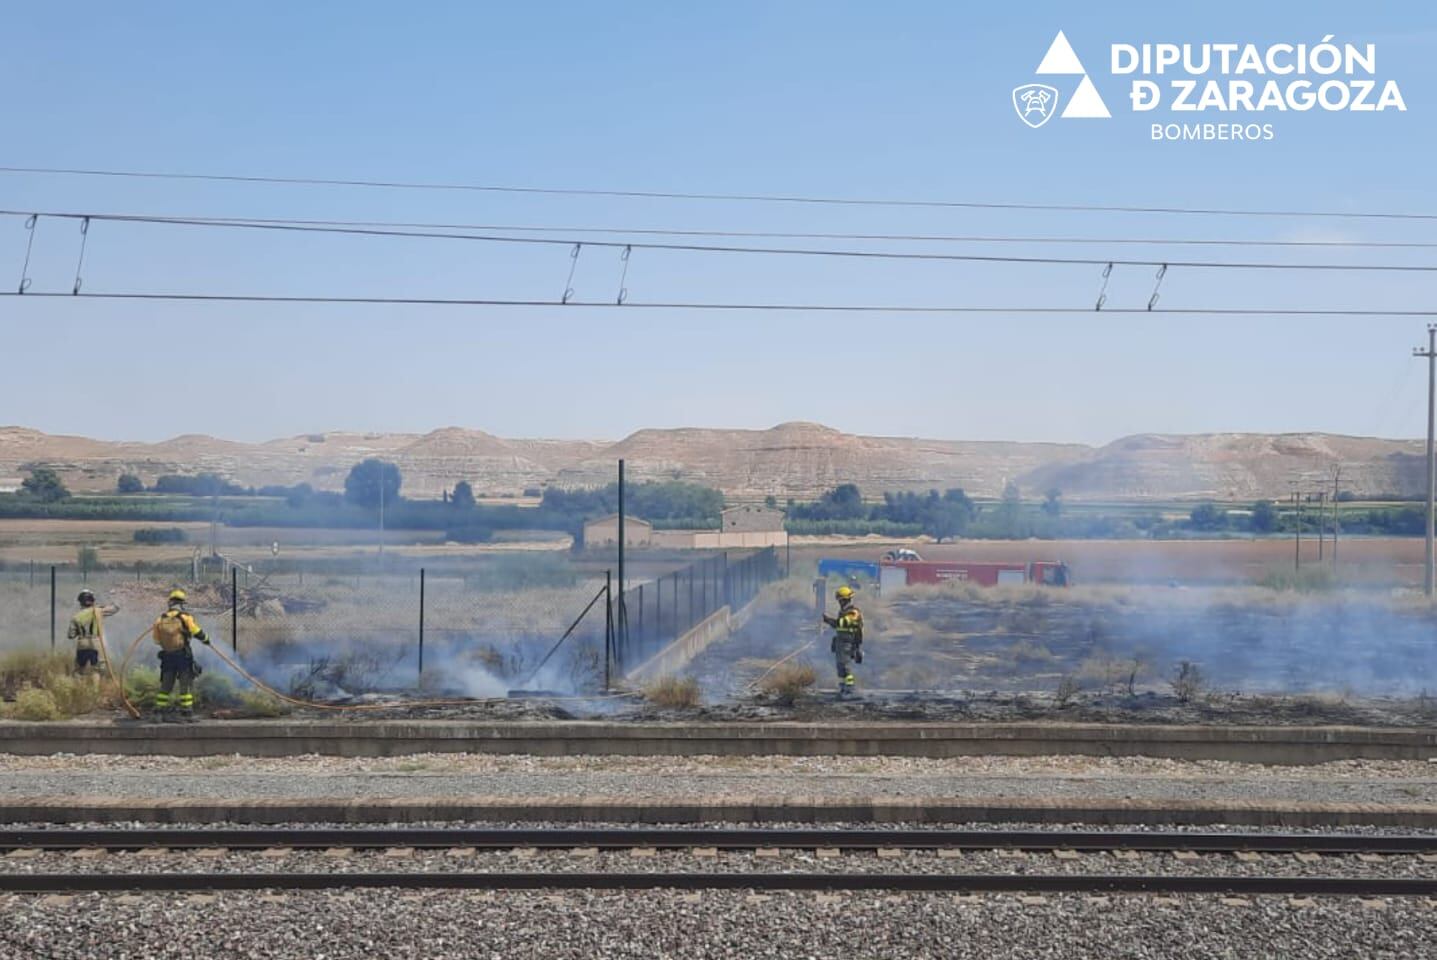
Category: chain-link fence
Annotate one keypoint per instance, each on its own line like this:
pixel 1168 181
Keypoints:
pixel 324 631
pixel 655 613
pixel 320 633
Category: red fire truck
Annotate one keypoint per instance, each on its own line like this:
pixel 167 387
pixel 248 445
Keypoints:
pixel 904 573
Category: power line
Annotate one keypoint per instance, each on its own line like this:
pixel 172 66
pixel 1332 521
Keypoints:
pixel 719 306
pixel 735 249
pixel 724 197
pixel 770 234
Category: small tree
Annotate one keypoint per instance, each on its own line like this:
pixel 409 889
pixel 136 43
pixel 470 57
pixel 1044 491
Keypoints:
pixel 129 483
pixel 463 496
pixel 372 481
pixel 1009 510
pixel 1053 503
pixel 1206 516
pixel 87 559
pixel 44 485
pixel 1264 517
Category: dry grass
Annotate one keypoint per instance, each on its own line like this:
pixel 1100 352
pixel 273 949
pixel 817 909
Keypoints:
pixel 29 668
pixel 257 703
pixel 789 683
pixel 673 692
pixel 35 704
pixel 25 674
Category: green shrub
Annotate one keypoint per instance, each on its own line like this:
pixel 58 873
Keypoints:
pixel 159 535
pixel 261 704
pixel 217 690
pixel 75 696
pixel 141 684
pixel 32 703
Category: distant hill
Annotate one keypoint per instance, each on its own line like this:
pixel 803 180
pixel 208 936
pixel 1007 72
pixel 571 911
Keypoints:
pixel 796 460
pixel 1235 466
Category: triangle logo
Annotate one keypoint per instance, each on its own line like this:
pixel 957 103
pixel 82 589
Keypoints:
pixel 1086 103
pixel 1060 58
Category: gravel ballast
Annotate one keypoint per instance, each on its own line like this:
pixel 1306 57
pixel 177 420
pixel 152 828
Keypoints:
pixel 663 924
pixel 677 861
pixel 429 775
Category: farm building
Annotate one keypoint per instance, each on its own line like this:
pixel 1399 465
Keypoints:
pixel 605 532
pixel 741 528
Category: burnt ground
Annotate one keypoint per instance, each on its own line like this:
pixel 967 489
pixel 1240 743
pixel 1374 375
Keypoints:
pixel 930 655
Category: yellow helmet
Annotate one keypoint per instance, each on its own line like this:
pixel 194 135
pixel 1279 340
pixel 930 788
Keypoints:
pixel 177 596
pixel 844 593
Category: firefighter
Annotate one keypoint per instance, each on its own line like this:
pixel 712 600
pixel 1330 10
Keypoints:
pixel 847 643
pixel 86 629
pixel 173 632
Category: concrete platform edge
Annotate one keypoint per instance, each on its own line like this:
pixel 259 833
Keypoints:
pixel 1250 744
pixel 698 810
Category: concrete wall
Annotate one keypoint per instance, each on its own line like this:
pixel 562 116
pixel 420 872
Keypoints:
pixel 713 540
pixel 673 658
pixel 752 519
pixel 605 532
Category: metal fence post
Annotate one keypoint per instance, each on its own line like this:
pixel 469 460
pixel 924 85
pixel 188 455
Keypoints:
pixel 52 606
pixel 234 608
pixel 421 626
pixel 608 627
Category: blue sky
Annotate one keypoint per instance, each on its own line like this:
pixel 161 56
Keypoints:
pixel 902 100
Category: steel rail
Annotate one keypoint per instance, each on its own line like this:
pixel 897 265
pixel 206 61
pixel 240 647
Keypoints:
pixel 954 883
pixel 183 838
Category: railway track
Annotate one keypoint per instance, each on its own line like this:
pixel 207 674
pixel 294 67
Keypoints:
pixel 187 838
pixel 712 840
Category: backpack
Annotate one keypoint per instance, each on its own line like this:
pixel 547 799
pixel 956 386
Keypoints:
pixel 170 632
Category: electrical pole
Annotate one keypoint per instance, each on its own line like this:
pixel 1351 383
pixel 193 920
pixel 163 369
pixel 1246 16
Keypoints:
pixel 1336 478
pixel 1431 356
pixel 1321 520
pixel 1297 528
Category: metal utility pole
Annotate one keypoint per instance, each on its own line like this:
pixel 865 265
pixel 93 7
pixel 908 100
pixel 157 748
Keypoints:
pixel 381 510
pixel 1297 530
pixel 622 583
pixel 1336 477
pixel 621 627
pixel 1431 356
pixel 1321 518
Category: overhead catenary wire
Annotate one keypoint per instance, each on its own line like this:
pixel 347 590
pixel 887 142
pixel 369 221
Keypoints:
pixel 768 234
pixel 711 196
pixel 736 249
pixel 719 306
